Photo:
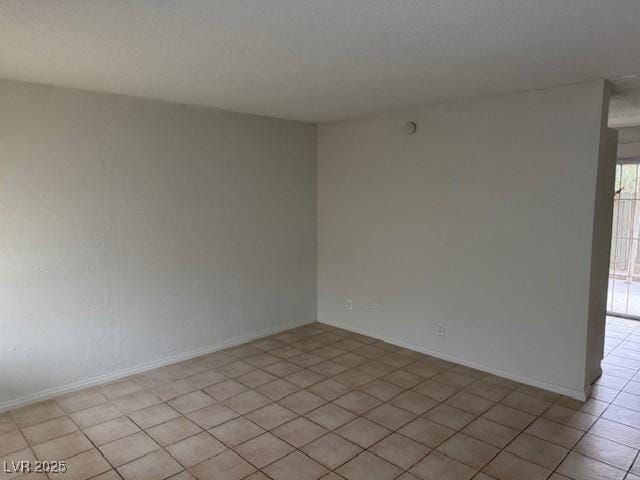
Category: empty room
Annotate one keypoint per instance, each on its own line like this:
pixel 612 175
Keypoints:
pixel 319 240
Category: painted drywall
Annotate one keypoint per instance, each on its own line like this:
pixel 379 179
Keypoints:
pixel 482 220
pixel 135 231
pixel 601 248
pixel 629 143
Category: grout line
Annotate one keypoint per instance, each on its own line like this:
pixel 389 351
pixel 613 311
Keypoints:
pixel 440 367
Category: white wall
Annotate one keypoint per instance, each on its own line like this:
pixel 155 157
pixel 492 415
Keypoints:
pixel 135 231
pixel 482 220
pixel 629 146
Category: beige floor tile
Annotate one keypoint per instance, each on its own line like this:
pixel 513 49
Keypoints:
pixel 235 369
pixel 295 466
pixel 628 417
pixel 81 400
pixel 34 414
pixel 128 448
pixel 354 378
pixel 469 451
pixel 329 352
pixel 617 432
pixel 224 390
pixel 63 447
pixel 330 416
pixel 205 379
pixel 349 360
pixel 174 389
pixel 449 416
pixel 526 403
pixel 376 369
pixel 236 431
pixel 554 432
pixel 246 402
pixel 438 391
pixel 173 431
pixel 155 377
pixel 286 351
pixel 414 402
pixel 331 450
pixel 328 368
pixel 228 466
pixel 540 452
pixel 21 455
pixel 191 402
pixel 108 475
pixel 194 450
pixel 607 451
pixel 261 360
pixel 12 442
pixel 580 467
pixel 154 466
pixel 426 369
pixel 396 360
pixel 263 450
pixel 357 402
pixel 271 416
pixel 469 403
pixel 453 379
pixel 86 465
pixel 363 432
pixel 307 382
pixel 305 360
pixel 212 416
pixel 509 417
pixel 119 389
pixel 628 400
pixel 329 389
pixel 569 417
pixel 403 379
pixel 42 432
pixel 400 450
pixel 256 378
pixel 382 390
pixel 635 468
pixel 154 415
pixel 7 424
pixel 304 378
pixel 509 467
pixel 591 406
pixel 136 401
pixel 302 402
pixel 426 432
pixel 112 430
pixel 277 389
pixel 299 432
pixel 539 393
pixel 437 466
pixel 95 415
pixel 389 416
pixel 490 432
pixel 488 390
pixel 367 466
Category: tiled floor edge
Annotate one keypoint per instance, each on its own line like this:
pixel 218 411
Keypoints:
pixel 110 377
pixel 575 394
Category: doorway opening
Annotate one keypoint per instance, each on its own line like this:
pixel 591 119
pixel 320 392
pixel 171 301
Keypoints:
pixel 623 295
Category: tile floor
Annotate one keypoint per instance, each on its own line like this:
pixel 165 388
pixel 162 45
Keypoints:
pixel 319 402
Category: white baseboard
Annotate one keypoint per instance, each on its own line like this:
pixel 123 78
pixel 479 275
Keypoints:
pixel 110 377
pixel 576 394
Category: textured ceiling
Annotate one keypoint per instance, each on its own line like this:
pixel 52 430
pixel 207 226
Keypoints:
pixel 317 60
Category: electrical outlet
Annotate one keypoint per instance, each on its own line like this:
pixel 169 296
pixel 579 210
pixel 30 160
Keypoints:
pixel 349 304
pixel 440 329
